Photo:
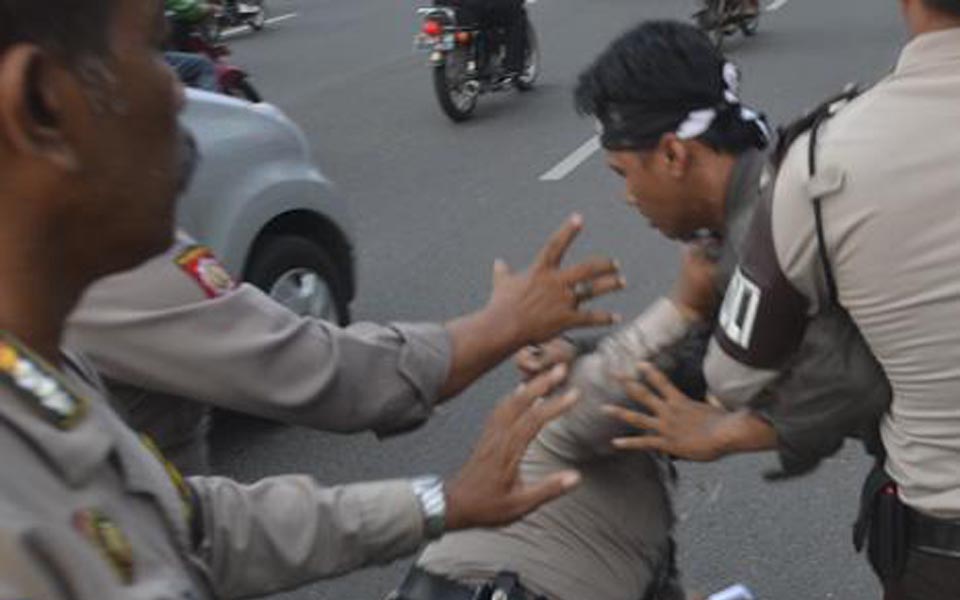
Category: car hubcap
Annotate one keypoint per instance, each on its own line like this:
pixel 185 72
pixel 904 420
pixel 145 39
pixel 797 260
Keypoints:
pixel 306 293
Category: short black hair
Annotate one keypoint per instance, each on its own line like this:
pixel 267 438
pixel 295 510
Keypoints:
pixel 950 7
pixel 667 64
pixel 72 29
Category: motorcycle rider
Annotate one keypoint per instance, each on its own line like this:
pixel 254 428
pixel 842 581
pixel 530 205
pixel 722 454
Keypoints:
pixel 194 70
pixel 490 14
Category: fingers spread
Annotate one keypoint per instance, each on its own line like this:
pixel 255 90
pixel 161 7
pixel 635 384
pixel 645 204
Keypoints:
pixel 630 417
pixel 529 498
pixel 642 395
pixel 591 269
pixel 552 254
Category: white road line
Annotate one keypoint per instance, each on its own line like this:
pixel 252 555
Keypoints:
pixel 577 158
pixel 776 5
pixel 228 33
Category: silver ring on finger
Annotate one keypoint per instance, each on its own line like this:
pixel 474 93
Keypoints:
pixel 582 291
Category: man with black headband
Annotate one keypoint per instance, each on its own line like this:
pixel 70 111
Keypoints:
pixel 864 220
pixel 694 160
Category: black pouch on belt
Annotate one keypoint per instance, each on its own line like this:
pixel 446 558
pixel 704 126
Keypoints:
pixel 882 526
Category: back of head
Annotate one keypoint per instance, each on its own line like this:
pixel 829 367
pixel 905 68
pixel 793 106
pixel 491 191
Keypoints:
pixel 650 80
pixel 72 29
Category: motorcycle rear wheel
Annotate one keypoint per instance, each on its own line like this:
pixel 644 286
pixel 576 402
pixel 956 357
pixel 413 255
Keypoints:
pixel 450 86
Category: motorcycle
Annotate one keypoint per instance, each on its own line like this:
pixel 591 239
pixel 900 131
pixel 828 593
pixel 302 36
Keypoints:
pixel 236 13
pixel 231 79
pixel 720 19
pixel 467 61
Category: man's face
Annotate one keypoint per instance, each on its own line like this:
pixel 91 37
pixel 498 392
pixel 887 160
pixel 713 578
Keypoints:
pixel 128 145
pixel 656 188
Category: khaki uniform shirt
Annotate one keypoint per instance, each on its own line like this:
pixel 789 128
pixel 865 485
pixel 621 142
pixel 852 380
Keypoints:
pixel 178 331
pixel 889 178
pixel 88 512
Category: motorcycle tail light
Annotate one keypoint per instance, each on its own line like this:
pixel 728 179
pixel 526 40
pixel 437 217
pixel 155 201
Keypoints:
pixel 464 38
pixel 432 28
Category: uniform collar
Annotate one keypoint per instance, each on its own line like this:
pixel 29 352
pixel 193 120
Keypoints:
pixel 930 48
pixel 63 432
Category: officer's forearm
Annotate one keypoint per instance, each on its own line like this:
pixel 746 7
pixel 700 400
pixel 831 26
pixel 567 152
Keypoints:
pixel 480 341
pixel 742 432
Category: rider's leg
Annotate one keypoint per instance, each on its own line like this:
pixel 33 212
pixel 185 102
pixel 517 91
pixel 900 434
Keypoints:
pixel 516 27
pixel 194 70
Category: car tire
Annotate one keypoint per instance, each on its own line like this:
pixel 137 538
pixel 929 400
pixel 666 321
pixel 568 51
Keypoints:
pixel 300 274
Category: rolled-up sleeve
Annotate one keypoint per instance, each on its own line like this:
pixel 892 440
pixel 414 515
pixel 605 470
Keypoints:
pixel 586 431
pixel 242 351
pixel 287 531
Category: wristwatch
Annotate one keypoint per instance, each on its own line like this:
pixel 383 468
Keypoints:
pixel 433 505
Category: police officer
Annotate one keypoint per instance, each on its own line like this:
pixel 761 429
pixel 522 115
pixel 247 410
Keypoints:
pixel 864 218
pixel 693 157
pixel 177 335
pixel 86 510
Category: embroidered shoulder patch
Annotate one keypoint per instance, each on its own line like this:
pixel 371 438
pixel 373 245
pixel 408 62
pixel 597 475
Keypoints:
pixel 109 540
pixel 203 267
pixel 39 384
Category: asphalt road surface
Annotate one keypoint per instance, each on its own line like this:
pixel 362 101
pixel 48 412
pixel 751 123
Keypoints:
pixel 436 203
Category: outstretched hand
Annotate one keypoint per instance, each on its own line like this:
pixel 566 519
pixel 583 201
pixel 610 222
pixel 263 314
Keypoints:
pixel 673 423
pixel 545 300
pixel 488 491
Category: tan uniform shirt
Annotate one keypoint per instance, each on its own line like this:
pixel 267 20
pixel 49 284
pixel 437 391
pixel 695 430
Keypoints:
pixel 607 539
pixel 178 331
pixel 890 180
pixel 87 512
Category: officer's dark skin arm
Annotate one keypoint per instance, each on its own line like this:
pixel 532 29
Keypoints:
pixel 528 308
pixel 685 428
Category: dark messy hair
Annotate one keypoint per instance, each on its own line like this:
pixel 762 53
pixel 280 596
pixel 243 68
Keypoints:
pixel 74 30
pixel 950 7
pixel 668 68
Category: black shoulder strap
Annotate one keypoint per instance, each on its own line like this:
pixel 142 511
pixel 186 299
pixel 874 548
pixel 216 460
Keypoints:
pixel 787 135
pixel 818 211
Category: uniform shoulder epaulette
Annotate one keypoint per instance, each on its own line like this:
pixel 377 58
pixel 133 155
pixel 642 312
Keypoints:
pixel 788 134
pixel 39 384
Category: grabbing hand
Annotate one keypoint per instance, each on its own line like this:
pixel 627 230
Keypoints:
pixel 674 424
pixel 535 359
pixel 695 294
pixel 488 491
pixel 545 300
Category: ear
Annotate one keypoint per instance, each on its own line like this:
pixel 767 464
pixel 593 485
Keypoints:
pixel 34 95
pixel 675 153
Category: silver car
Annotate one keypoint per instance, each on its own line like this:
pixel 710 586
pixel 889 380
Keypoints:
pixel 263 206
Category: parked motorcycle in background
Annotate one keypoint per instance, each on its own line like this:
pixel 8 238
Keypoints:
pixel 468 61
pixel 720 19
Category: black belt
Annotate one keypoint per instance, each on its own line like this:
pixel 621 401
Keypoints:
pixel 421 585
pixel 934 536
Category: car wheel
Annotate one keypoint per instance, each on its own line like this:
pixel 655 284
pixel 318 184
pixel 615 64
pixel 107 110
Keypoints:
pixel 300 274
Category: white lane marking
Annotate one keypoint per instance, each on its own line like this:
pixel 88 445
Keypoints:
pixel 776 5
pixel 577 158
pixel 228 33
